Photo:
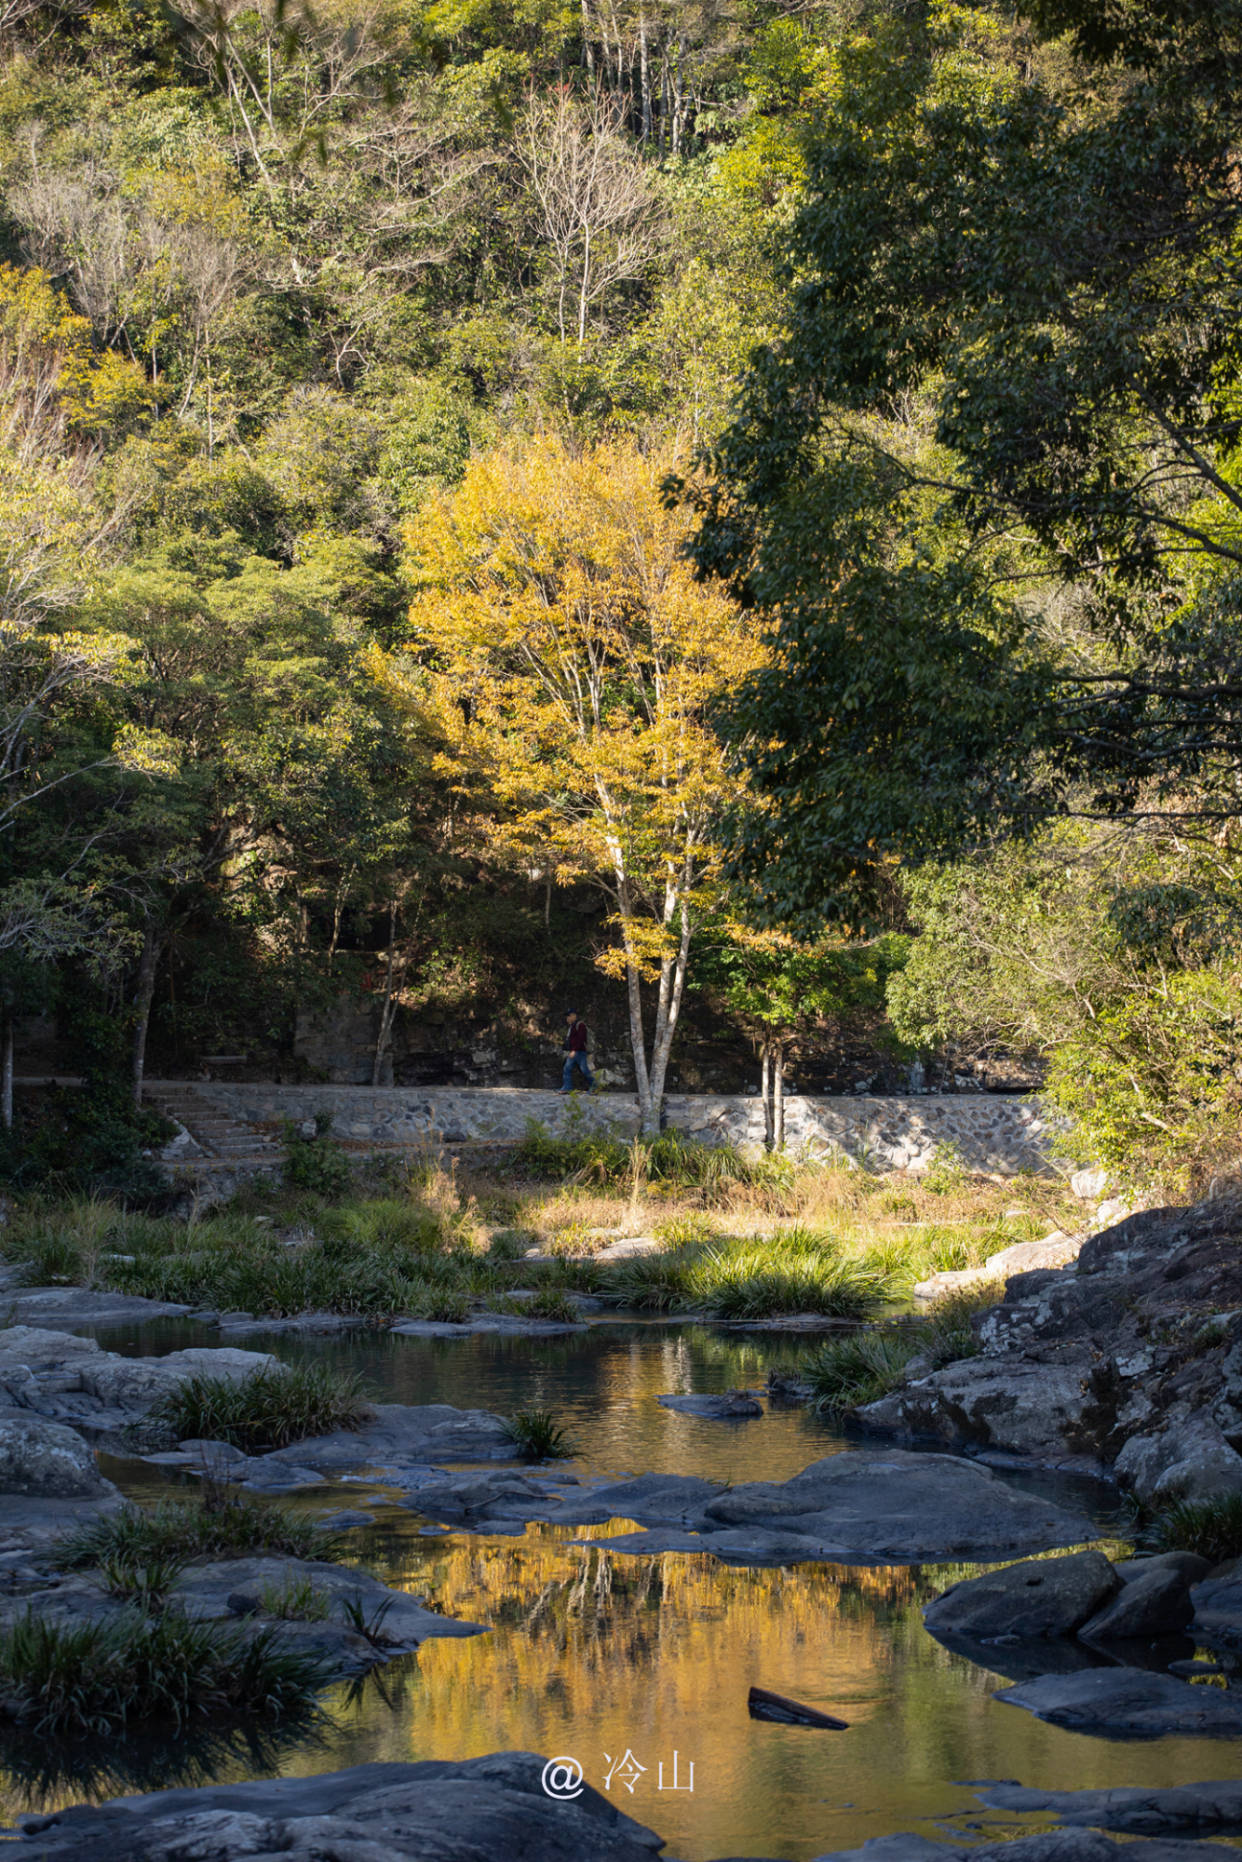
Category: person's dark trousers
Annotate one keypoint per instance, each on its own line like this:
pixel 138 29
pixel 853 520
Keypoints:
pixel 567 1079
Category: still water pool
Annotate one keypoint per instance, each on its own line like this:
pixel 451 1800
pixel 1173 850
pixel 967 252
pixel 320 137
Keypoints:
pixel 597 1655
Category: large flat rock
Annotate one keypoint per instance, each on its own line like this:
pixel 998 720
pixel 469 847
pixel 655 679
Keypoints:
pixel 401 1435
pixel 491 1809
pixel 1144 1809
pixel 1129 1702
pixel 1072 1845
pixel 863 1507
pixel 66 1308
pixel 900 1508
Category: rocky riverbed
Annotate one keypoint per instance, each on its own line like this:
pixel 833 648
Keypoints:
pixel 497 1809
pixel 1127 1360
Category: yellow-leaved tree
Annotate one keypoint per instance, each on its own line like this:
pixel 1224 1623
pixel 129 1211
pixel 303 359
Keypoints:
pixel 573 659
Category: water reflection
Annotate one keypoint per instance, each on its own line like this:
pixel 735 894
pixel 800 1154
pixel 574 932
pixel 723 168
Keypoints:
pixel 46 1774
pixel 592 1653
pixel 595 1653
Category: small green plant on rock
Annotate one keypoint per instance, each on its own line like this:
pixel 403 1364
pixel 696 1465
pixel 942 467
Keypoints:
pixel 539 1436
pixel 229 1526
pixel 552 1303
pixel 295 1601
pixel 142 1578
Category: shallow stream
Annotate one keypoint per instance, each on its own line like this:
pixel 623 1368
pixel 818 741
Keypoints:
pixel 602 1657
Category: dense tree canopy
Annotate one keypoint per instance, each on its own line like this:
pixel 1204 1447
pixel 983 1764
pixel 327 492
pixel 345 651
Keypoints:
pixel 986 487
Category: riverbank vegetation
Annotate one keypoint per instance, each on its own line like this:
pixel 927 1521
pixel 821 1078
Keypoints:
pixel 365 380
pixel 781 1237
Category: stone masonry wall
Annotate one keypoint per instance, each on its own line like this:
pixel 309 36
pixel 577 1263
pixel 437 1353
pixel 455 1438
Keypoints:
pixel 993 1132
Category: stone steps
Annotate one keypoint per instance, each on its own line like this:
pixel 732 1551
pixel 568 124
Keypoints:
pixel 216 1133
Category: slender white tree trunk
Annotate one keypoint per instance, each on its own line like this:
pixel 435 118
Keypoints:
pixel 765 1093
pixel 6 1070
pixel 778 1100
pixel 672 989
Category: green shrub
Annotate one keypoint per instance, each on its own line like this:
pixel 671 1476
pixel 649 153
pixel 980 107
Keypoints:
pixel 388 1222
pixel 145 1579
pixel 1211 1527
pixel 316 1164
pixel 539 1436
pixel 268 1410
pixel 947 1333
pixel 134 1670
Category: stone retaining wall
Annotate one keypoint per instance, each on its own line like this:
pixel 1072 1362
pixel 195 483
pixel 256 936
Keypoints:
pixel 994 1133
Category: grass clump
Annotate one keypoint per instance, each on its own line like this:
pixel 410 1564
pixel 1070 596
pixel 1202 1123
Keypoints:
pixel 295 1601
pixel 797 1271
pixel 217 1526
pixel 73 1679
pixel 1210 1527
pixel 539 1436
pixel 845 1373
pixel 269 1410
pixel 767 1279
pixel 142 1579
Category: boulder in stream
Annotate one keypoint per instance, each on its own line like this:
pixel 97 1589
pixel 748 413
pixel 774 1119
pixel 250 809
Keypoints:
pixel 1040 1597
pixel 1129 1702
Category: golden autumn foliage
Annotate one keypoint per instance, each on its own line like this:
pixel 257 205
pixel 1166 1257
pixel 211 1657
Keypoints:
pixel 573 661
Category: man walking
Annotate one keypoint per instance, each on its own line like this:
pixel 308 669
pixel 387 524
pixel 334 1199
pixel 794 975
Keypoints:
pixel 575 1053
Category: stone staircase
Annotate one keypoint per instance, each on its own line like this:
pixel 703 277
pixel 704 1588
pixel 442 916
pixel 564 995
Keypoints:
pixel 216 1133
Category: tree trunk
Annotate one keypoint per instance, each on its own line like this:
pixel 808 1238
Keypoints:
pixel 672 989
pixel 6 1069
pixel 778 1099
pixel 144 995
pixel 644 78
pixel 765 1093
pixel 387 1010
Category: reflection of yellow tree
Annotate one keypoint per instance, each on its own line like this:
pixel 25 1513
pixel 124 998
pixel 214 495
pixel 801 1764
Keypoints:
pixel 576 660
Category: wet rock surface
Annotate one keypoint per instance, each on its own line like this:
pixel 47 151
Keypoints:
pixel 491 1809
pixel 1128 1702
pixel 862 1507
pixel 1044 1846
pixel 1039 1598
pixel 732 1406
pixel 1130 1356
pixel 1154 1600
pixel 1143 1810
